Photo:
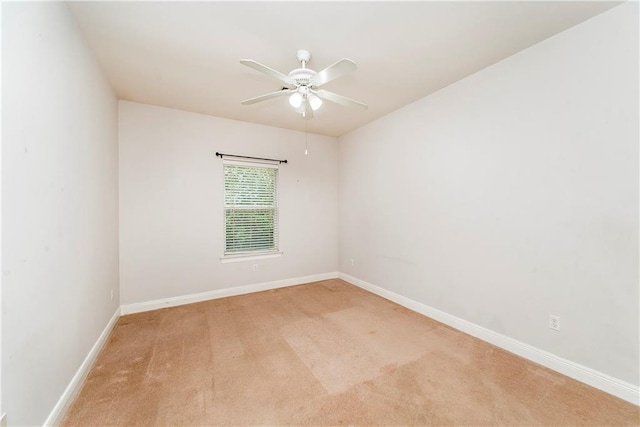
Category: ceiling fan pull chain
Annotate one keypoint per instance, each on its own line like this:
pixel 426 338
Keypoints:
pixel 306 142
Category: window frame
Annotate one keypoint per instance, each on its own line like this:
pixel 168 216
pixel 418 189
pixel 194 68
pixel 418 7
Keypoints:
pixel 258 253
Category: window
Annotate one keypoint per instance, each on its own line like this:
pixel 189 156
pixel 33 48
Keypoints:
pixel 250 208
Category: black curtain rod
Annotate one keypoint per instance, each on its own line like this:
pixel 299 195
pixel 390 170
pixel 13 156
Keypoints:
pixel 247 157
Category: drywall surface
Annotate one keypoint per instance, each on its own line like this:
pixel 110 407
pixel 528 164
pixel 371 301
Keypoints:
pixel 1 411
pixel 59 200
pixel 512 195
pixel 171 202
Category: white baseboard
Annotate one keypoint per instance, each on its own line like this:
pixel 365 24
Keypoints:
pixel 223 293
pixel 599 380
pixel 72 390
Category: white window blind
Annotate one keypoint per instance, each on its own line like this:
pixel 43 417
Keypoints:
pixel 250 209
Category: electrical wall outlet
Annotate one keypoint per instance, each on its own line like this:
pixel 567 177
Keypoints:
pixel 554 322
pixel 111 294
pixel 352 262
pixel 256 267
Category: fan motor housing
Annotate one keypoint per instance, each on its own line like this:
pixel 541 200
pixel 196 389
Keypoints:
pixel 302 75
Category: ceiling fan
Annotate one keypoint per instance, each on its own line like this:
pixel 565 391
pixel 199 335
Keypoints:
pixel 302 85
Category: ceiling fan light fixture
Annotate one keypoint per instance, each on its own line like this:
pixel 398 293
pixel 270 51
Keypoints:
pixel 303 84
pixel 315 102
pixel 296 100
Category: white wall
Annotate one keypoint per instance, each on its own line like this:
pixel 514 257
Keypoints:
pixel 171 206
pixel 1 411
pixel 59 200
pixel 513 194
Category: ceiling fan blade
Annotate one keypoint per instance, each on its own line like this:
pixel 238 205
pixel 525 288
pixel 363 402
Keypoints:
pixel 268 71
pixel 339 99
pixel 333 71
pixel 265 97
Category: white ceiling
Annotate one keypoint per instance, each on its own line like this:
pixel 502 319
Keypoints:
pixel 186 55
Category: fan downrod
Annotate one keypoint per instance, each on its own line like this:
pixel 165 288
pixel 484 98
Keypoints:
pixel 303 57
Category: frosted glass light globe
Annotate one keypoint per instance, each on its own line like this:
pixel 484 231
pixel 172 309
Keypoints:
pixel 295 100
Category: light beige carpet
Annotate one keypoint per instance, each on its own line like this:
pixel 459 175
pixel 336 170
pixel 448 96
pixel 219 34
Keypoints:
pixel 325 353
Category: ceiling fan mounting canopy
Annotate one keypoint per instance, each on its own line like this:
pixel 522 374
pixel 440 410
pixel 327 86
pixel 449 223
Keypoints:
pixel 303 55
pixel 303 84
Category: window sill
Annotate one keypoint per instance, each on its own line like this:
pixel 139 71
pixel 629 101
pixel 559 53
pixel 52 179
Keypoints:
pixel 249 257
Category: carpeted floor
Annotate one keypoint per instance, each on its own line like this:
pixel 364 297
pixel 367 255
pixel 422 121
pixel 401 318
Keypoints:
pixel 326 353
